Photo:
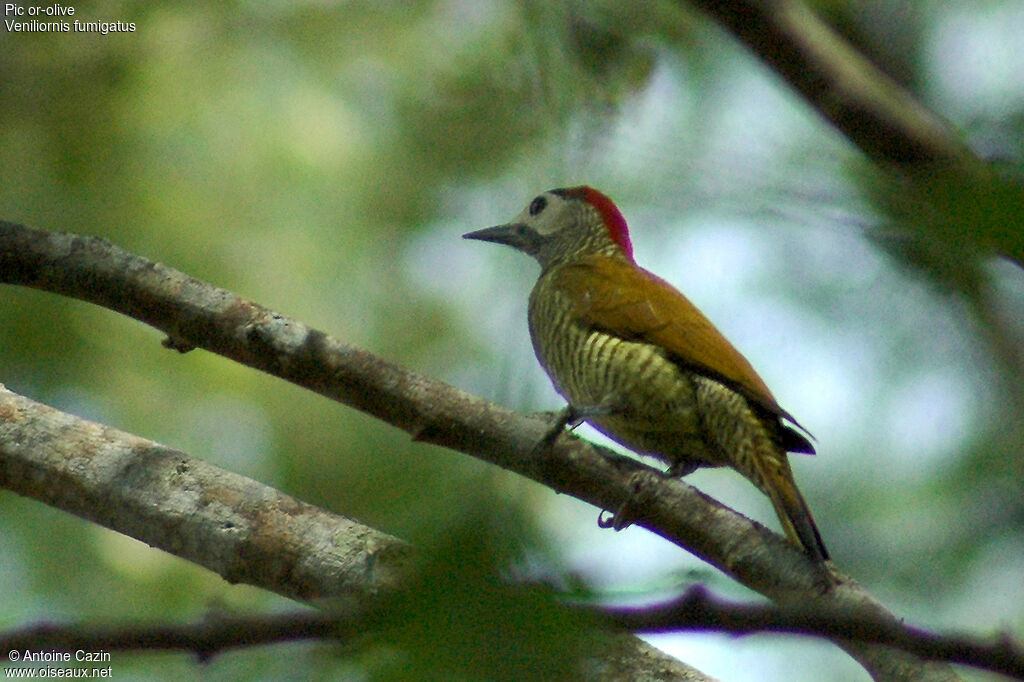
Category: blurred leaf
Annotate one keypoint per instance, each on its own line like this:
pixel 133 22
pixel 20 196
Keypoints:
pixel 947 224
pixel 464 619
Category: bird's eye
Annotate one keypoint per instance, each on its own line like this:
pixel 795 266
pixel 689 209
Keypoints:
pixel 538 205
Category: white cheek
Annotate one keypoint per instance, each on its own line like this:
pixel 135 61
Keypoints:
pixel 550 222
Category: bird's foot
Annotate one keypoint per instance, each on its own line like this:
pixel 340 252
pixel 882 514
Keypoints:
pixel 619 519
pixel 626 514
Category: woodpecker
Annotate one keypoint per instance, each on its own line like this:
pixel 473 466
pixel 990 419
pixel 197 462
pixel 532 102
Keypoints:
pixel 639 362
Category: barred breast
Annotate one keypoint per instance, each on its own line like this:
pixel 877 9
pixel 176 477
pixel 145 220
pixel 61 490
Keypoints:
pixel 651 403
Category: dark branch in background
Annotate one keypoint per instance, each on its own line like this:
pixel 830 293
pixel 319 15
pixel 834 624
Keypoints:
pixel 206 638
pixel 699 610
pixel 696 610
pixel 871 109
pixel 196 314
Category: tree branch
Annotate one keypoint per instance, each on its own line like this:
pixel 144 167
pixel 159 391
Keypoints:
pixel 877 114
pixel 933 165
pixel 196 314
pixel 697 609
pixel 206 638
pixel 238 528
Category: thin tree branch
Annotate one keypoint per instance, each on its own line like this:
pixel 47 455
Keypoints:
pixel 877 114
pixel 206 638
pixel 697 609
pixel 196 314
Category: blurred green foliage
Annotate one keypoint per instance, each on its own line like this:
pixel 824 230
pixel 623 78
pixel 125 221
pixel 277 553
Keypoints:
pixel 322 159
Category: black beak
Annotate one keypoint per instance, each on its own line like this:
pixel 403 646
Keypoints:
pixel 516 235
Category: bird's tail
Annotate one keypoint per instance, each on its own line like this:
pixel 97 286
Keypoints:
pixel 794 514
pixel 746 441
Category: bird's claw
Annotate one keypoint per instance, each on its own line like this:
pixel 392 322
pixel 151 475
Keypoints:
pixel 618 520
pixel 626 514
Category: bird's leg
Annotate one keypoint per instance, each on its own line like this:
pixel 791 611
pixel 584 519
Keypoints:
pixel 563 418
pixel 572 416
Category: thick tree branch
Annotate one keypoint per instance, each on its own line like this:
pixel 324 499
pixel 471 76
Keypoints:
pixel 872 110
pixel 196 314
pixel 239 528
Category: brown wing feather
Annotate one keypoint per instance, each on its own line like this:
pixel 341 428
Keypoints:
pixel 630 302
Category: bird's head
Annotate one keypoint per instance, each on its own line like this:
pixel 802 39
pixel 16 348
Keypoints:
pixel 561 224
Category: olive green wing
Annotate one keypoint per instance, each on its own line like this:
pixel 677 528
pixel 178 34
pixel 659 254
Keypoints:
pixel 620 298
